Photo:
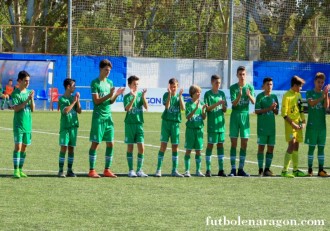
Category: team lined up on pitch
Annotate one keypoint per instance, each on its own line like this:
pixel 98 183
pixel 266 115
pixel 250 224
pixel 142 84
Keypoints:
pixel 213 107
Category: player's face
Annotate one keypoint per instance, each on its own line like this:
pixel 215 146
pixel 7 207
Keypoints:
pixel 173 88
pixel 197 95
pixel 105 71
pixel 134 85
pixel 25 82
pixel 241 75
pixel 10 83
pixel 72 87
pixel 319 84
pixel 268 86
pixel 297 88
pixel 216 84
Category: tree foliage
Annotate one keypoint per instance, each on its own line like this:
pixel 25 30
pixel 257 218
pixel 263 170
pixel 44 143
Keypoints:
pixel 171 28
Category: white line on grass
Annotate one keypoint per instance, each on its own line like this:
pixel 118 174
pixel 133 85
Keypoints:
pixel 147 145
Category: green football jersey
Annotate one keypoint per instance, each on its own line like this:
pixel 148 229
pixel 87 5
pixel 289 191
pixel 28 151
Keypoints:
pixel 23 118
pixel 215 118
pixel 102 88
pixel 316 114
pixel 243 104
pixel 1 90
pixel 196 121
pixel 135 115
pixel 174 112
pixel 69 120
pixel 266 121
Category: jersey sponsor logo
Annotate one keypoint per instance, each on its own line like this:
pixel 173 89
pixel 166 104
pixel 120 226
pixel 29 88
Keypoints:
pixel 196 118
pixel 318 106
pixel 243 102
pixel 135 110
pixel 174 110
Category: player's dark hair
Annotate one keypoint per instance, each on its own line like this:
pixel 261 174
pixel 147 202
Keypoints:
pixel 215 77
pixel 68 82
pixel 105 63
pixel 267 79
pixel 296 80
pixel 10 80
pixel 240 68
pixel 173 81
pixel 131 79
pixel 22 75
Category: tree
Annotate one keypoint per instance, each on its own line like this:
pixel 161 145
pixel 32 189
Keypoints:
pixel 282 22
pixel 24 17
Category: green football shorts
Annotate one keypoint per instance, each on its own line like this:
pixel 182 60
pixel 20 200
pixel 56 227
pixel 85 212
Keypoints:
pixel 68 137
pixel 134 133
pixel 170 129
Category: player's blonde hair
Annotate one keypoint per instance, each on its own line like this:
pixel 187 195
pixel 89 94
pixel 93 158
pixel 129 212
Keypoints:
pixel 319 75
pixel 193 89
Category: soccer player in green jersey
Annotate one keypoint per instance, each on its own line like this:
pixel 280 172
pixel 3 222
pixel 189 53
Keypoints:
pixel 195 114
pixel 3 97
pixel 241 94
pixel 216 102
pixel 316 132
pixel 133 104
pixel 102 128
pixel 69 106
pixel 266 108
pixel 23 105
pixel 294 123
pixel 171 119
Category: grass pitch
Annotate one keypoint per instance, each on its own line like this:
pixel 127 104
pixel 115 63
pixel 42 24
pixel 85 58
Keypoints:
pixel 45 202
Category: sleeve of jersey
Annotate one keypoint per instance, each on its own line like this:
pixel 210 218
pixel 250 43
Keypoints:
pixel 302 114
pixel 93 88
pixel 224 98
pixel 125 101
pixel 62 105
pixel 165 96
pixel 206 99
pixel 15 99
pixel 252 90
pixel 285 106
pixel 257 105
pixel 232 94
pixel 188 109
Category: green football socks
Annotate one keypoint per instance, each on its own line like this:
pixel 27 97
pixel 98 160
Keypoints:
pixel 320 156
pixel 269 159
pixel 108 157
pixel 260 157
pixel 70 160
pixel 160 160
pixel 140 161
pixel 129 157
pixel 187 162
pixel 233 157
pixel 175 161
pixel 242 156
pixel 61 160
pixel 198 159
pixel 92 159
pixel 221 157
pixel 208 156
